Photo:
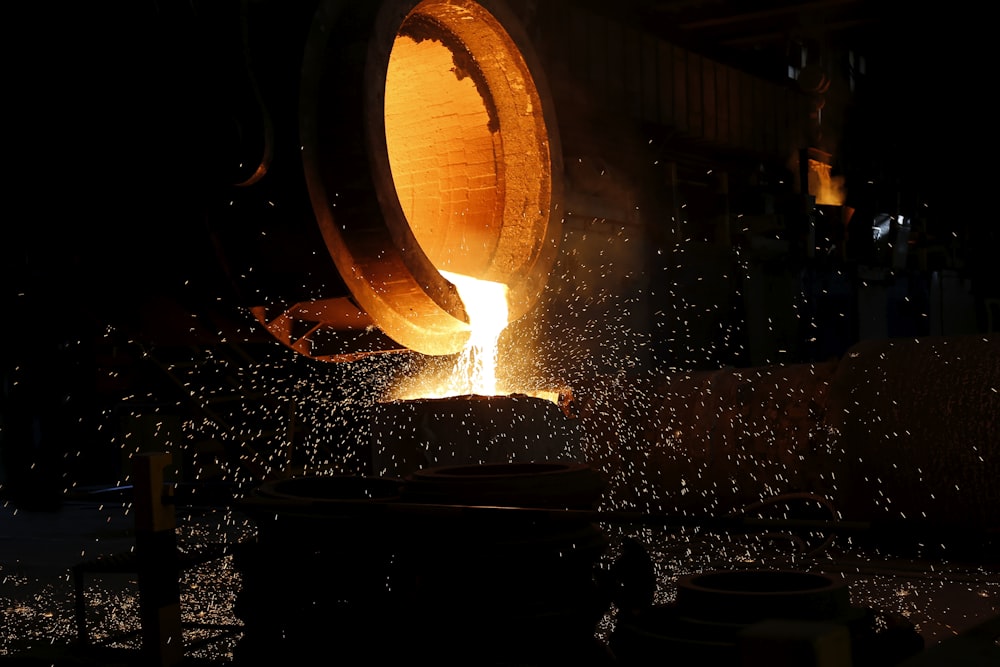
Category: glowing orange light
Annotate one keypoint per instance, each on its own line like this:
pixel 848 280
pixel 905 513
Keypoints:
pixel 828 190
pixel 468 151
pixel 443 156
pixel 475 371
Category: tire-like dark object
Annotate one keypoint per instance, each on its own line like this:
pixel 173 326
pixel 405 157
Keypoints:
pixel 320 570
pixel 712 611
pixel 553 485
pixel 420 433
pixel 506 578
pixel 327 490
pixel 753 595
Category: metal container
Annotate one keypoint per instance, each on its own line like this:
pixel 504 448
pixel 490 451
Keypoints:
pixel 320 571
pixel 508 576
pixel 734 617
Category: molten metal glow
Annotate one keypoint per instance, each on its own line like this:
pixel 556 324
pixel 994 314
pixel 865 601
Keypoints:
pixel 470 163
pixel 828 190
pixel 475 370
pixel 443 156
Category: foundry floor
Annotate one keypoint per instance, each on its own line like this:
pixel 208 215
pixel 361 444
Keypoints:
pixel 38 550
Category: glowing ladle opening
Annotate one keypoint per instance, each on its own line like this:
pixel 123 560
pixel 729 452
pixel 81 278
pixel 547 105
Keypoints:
pixel 445 152
pixel 429 143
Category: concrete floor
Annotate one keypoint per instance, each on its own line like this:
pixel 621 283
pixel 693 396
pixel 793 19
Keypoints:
pixel 37 550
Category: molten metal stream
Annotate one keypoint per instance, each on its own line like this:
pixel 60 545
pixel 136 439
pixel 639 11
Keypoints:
pixel 475 370
pixel 470 157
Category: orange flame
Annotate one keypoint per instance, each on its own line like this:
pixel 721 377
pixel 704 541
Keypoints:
pixel 828 190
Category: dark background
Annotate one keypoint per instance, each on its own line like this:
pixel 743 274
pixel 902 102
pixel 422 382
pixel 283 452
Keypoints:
pixel 131 121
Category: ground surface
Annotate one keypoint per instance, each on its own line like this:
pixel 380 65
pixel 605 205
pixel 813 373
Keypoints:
pixel 37 550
